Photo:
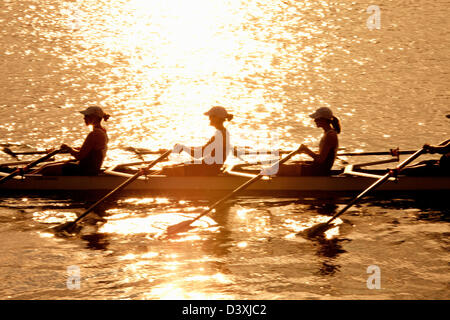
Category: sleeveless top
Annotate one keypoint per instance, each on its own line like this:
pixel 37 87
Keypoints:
pixel 91 164
pixel 217 148
pixel 331 156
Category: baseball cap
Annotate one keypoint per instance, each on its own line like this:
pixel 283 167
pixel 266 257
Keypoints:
pixel 218 111
pixel 93 110
pixel 323 112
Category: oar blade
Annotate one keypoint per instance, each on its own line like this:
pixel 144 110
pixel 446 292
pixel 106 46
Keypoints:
pixel 66 228
pixel 179 227
pixel 315 231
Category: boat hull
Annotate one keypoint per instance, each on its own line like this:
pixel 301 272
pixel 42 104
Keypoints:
pixel 223 183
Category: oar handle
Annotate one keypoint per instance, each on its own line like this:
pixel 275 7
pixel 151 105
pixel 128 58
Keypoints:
pixel 121 186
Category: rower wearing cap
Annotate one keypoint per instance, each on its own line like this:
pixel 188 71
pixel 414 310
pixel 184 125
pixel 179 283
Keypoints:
pixel 437 167
pixel 324 160
pixel 444 161
pixel 91 154
pixel 209 158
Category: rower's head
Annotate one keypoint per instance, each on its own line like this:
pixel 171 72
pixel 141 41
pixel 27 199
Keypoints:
pixel 93 115
pixel 323 117
pixel 217 116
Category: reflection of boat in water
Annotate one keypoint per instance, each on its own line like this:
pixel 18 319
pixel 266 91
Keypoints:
pixel 337 182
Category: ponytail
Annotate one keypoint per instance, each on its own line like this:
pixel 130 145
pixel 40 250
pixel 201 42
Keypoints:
pixel 106 117
pixel 229 117
pixel 336 124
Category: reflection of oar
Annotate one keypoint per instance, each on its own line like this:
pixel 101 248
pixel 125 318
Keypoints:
pixel 320 228
pixel 28 166
pixel 174 229
pixel 69 225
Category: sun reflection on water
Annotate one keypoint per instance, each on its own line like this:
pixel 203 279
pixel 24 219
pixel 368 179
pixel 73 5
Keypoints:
pixel 53 216
pixel 155 224
pixel 170 291
pixel 185 282
pixel 140 201
pixel 157 66
pixel 180 60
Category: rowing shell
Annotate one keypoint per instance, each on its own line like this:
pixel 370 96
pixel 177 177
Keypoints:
pixel 333 183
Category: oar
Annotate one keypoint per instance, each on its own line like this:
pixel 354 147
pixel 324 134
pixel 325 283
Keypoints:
pixel 320 228
pixel 174 229
pixel 248 151
pixel 28 166
pixel 144 151
pixel 19 163
pixel 69 225
pixel 10 152
pixel 22 153
pixel 392 152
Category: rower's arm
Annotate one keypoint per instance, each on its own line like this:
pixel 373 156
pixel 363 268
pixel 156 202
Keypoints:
pixel 196 152
pixel 442 149
pixel 88 145
pixel 304 149
pixel 446 147
pixel 319 158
